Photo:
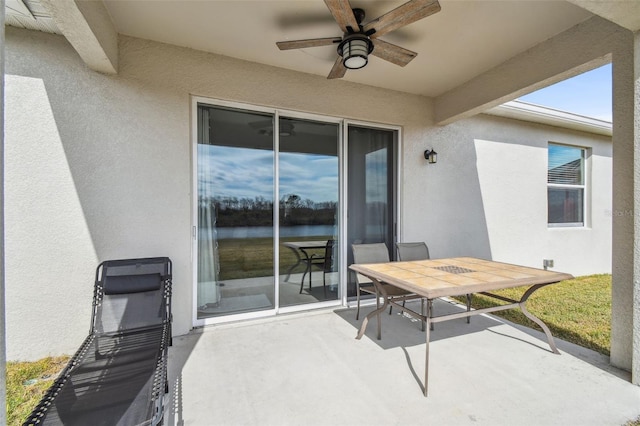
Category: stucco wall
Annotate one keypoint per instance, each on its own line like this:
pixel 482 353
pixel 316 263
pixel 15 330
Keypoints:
pixel 487 195
pixel 99 167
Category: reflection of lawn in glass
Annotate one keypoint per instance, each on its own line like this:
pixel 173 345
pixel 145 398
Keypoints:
pixel 253 257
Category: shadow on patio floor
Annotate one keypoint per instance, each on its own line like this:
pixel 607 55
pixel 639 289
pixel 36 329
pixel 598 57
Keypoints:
pixel 309 369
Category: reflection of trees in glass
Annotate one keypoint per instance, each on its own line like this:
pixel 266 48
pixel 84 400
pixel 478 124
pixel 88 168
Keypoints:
pixel 296 211
pixel 258 211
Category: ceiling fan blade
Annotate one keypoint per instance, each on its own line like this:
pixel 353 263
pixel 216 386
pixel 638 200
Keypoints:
pixel 405 14
pixel 342 13
pixel 338 70
pixel 312 42
pixel 392 53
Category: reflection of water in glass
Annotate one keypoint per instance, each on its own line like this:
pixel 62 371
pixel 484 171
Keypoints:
pixel 267 231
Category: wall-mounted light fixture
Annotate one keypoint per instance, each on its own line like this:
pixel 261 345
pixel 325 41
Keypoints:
pixel 431 156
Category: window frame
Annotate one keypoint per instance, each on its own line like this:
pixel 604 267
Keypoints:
pixel 583 187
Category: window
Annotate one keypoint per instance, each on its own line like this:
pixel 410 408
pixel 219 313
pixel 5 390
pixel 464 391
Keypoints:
pixel 566 185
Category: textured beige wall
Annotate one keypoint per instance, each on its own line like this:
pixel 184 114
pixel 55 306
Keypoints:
pixel 625 325
pixel 635 341
pixel 487 195
pixel 3 337
pixel 100 168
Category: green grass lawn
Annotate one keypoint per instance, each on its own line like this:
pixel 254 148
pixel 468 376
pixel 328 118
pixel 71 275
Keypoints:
pixel 577 311
pixel 253 257
pixel 26 383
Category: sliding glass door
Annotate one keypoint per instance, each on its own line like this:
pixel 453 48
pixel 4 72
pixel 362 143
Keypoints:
pixel 244 164
pixel 308 219
pixel 235 174
pixel 371 191
pixel 268 229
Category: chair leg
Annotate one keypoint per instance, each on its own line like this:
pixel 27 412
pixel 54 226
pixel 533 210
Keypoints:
pixel 430 302
pixel 357 300
pixel 324 283
pixel 391 307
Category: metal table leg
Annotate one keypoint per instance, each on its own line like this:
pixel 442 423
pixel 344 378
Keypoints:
pixel 429 320
pixel 380 292
pixel 307 260
pixel 543 326
pixel 295 251
pixel 427 332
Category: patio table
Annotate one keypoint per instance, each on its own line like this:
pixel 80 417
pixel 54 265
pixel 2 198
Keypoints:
pixel 303 247
pixel 459 276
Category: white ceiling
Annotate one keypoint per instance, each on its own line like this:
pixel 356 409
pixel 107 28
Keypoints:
pixel 461 41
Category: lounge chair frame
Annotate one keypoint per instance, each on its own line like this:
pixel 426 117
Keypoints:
pixel 119 373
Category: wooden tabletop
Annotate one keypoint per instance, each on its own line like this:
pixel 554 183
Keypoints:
pixel 456 276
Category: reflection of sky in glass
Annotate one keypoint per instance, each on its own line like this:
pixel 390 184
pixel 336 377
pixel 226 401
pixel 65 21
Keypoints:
pixel 248 173
pixel 234 172
pixel 313 177
pixel 565 166
pixel 559 155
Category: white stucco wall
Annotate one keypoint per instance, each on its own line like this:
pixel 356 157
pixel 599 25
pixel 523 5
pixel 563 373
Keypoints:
pixel 99 167
pixel 512 168
pixel 487 195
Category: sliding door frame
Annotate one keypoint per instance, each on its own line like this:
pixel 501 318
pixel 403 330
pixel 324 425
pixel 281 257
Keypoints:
pixel 343 195
pixel 397 197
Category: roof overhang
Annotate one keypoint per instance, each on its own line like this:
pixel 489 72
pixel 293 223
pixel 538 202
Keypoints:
pixel 92 29
pixel 538 114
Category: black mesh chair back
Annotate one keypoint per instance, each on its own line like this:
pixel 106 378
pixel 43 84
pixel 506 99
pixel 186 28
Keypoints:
pixel 131 294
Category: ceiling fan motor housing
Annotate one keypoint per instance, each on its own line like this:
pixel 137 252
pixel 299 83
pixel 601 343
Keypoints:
pixel 358 14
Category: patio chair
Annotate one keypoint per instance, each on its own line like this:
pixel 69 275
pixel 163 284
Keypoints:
pixel 119 374
pixel 412 251
pixel 419 251
pixel 324 263
pixel 376 253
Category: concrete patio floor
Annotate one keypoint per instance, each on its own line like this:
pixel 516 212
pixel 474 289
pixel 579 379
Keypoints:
pixel 308 369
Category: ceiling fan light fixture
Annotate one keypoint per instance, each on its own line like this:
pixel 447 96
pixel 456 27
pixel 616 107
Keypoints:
pixel 355 50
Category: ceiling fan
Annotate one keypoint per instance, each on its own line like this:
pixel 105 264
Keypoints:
pixel 361 40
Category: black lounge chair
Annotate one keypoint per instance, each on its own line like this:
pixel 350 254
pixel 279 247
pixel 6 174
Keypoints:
pixel 119 374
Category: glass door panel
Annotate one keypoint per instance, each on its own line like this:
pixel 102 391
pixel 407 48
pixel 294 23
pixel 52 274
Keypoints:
pixel 308 188
pixel 235 183
pixel 371 195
